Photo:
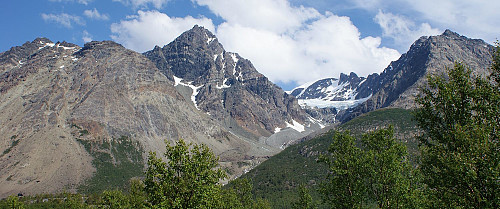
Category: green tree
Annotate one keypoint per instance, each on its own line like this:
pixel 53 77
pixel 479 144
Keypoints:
pixel 460 117
pixel 137 195
pixel 189 178
pixel 243 190
pixel 114 199
pixel 378 173
pixel 260 203
pixel 73 201
pixel 345 186
pixel 305 200
pixel 229 199
pixel 14 202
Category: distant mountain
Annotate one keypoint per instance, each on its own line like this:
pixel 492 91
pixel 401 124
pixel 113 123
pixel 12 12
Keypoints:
pixel 331 92
pixel 398 84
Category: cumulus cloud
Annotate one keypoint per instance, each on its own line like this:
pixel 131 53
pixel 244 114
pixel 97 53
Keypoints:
pixel 402 30
pixel 86 37
pixel 296 44
pixel 270 15
pixel 94 14
pixel 63 19
pixel 324 48
pixel 473 18
pixel 149 28
pixel 286 43
pixel 158 4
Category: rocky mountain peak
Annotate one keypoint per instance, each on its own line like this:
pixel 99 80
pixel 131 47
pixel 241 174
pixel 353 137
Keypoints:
pixel 451 34
pixel 352 78
pixel 397 85
pixel 225 85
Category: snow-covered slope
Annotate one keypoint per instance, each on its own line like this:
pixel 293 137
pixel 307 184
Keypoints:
pixel 331 92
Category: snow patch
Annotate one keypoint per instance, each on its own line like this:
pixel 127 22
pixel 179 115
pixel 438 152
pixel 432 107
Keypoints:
pixel 46 45
pixel 339 105
pixel 209 39
pixel 313 120
pixel 64 47
pixel 235 59
pixel 177 81
pixel 277 129
pixel 223 85
pixel 296 126
pixel 62 66
pixel 195 89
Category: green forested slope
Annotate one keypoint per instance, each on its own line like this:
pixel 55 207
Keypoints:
pixel 279 178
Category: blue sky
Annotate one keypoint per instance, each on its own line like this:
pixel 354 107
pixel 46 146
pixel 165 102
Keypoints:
pixel 289 41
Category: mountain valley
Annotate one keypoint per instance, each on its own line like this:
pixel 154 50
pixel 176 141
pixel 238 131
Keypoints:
pixel 72 117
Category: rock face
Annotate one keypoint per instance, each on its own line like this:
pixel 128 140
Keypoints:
pixel 397 86
pixel 225 85
pixel 47 89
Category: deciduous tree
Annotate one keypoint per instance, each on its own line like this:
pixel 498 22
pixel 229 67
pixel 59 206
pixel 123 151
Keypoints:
pixel 188 179
pixel 460 117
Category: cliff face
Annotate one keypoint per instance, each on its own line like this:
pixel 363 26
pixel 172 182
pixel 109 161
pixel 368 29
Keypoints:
pixel 225 85
pixel 53 95
pixel 397 85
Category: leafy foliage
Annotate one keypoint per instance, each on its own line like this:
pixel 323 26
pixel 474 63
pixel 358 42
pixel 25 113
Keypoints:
pixel 377 173
pixel 305 200
pixel 189 178
pixel 238 194
pixel 460 116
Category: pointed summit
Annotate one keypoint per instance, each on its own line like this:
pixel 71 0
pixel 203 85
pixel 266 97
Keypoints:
pixel 225 85
pixel 450 33
pixel 199 36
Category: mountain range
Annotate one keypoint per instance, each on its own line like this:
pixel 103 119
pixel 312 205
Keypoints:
pixel 66 110
pixel 397 85
pixel 56 98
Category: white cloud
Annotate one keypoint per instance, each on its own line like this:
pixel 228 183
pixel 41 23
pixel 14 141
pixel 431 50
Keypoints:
pixel 158 4
pixel 63 19
pixel 86 37
pixel 299 44
pixel 402 30
pixel 472 18
pixel 326 47
pixel 94 14
pixel 271 15
pixel 150 28
pixel 84 2
pixel 285 43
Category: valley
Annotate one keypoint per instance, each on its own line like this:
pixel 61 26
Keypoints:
pixel 84 119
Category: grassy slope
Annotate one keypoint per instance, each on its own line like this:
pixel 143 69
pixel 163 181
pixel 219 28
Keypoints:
pixel 278 178
pixel 116 162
